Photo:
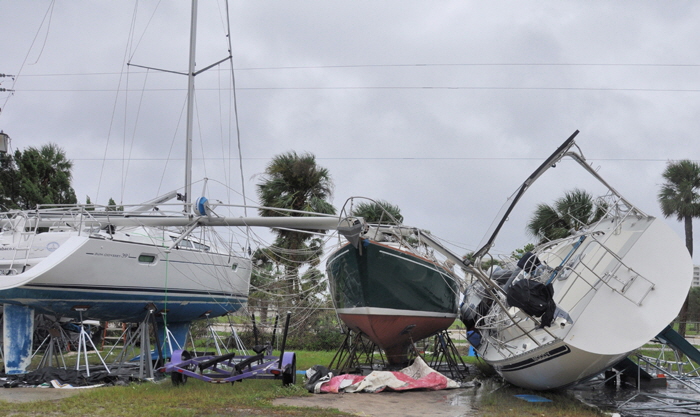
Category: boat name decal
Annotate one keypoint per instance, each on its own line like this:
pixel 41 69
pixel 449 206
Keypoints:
pixel 535 360
pixel 110 255
pixel 52 246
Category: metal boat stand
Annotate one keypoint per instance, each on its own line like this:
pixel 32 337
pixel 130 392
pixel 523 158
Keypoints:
pixel 446 358
pixel 84 337
pixel 661 402
pixel 214 338
pixel 141 338
pixel 356 355
pixel 56 342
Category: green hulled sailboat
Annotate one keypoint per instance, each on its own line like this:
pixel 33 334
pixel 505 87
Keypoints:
pixel 391 294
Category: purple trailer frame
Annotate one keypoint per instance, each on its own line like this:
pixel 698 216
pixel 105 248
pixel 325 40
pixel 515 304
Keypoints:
pixel 231 368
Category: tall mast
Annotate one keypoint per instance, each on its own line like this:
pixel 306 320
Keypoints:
pixel 190 110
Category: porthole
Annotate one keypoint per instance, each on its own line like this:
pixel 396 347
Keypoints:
pixel 146 258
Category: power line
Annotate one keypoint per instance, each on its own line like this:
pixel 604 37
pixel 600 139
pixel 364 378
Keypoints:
pixel 414 65
pixel 393 158
pixel 434 88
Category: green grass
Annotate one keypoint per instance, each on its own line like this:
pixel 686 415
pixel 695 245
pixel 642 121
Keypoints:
pixel 195 398
pixel 254 398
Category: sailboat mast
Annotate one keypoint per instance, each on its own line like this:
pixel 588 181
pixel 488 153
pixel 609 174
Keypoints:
pixel 190 110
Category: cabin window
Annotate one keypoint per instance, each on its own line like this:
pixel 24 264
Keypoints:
pixel 145 258
pixel 234 267
pixel 199 246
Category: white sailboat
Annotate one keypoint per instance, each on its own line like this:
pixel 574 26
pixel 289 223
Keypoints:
pixel 120 266
pixel 580 304
pixel 576 306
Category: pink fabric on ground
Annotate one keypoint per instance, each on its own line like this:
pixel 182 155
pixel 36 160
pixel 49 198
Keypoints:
pixel 417 376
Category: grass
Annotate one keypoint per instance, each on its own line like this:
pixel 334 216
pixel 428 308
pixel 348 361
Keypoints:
pixel 196 398
pixel 254 398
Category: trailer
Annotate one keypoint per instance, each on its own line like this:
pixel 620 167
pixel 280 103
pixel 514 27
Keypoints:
pixel 231 367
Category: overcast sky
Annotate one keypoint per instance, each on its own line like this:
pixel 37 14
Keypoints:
pixel 440 107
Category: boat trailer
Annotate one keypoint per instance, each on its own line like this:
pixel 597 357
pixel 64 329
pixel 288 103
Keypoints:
pixel 231 368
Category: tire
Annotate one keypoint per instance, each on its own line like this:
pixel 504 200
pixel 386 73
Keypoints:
pixel 178 378
pixel 289 376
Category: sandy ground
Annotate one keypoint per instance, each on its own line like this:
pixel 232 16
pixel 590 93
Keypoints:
pixel 455 402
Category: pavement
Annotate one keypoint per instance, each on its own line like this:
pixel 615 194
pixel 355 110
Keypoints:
pixel 26 395
pixel 445 403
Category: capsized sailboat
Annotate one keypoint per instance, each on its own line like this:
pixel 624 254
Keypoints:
pixel 391 289
pixel 578 305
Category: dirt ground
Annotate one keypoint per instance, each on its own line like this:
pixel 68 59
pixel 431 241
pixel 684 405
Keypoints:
pixel 448 403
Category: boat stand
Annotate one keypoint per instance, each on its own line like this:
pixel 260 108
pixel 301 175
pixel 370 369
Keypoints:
pixel 212 337
pixel 446 358
pixel 142 338
pixel 84 337
pixel 661 402
pixel 356 354
pixel 171 342
pixel 56 342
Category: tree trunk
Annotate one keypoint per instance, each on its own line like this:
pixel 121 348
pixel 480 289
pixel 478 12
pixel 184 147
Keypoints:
pixel 683 316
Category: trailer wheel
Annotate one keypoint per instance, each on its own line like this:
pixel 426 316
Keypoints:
pixel 178 378
pixel 289 377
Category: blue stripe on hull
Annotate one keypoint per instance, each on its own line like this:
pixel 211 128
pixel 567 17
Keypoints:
pixel 123 305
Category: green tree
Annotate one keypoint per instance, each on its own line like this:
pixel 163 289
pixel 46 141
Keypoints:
pixel 9 184
pixel 378 212
pixel 44 177
pixel 679 197
pixel 112 206
pixel 694 306
pixel 575 210
pixel 486 264
pixel 518 253
pixel 295 182
pixel 88 204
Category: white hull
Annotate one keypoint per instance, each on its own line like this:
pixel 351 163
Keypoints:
pixel 555 365
pixel 620 285
pixel 117 279
pixel 574 307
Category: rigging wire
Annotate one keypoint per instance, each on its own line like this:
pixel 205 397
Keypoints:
pixel 133 138
pixel 127 47
pixel 49 14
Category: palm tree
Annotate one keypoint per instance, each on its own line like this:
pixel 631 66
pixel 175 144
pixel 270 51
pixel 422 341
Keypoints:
pixel 570 213
pixel 295 182
pixel 44 176
pixel 679 196
pixel 379 211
